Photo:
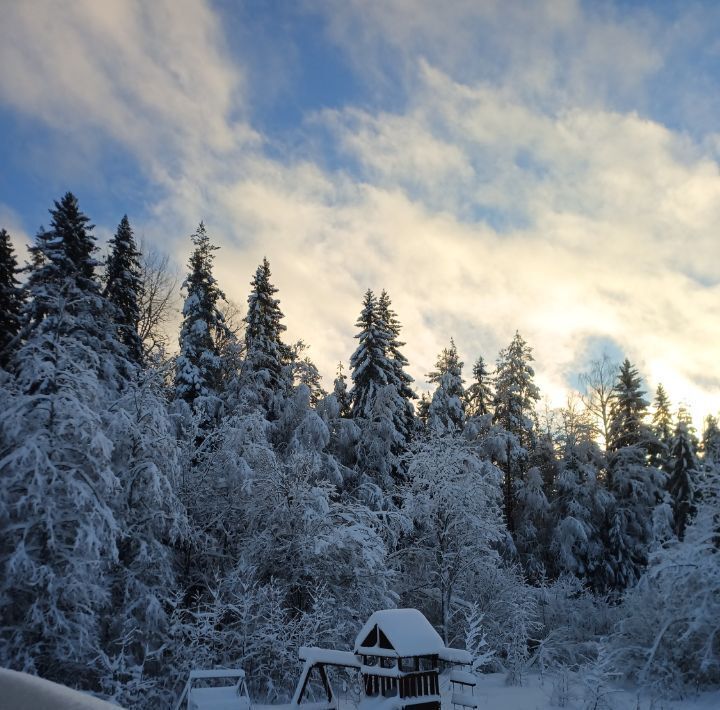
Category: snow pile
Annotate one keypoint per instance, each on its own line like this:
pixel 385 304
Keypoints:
pixel 20 691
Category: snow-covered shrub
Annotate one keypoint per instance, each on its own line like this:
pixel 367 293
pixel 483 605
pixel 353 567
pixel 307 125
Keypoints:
pixel 571 621
pixel 241 622
pixel 452 498
pixel 669 634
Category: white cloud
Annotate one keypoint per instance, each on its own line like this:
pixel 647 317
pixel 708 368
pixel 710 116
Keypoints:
pixel 514 195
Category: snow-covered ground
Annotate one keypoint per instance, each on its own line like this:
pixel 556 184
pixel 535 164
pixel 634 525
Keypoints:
pixel 553 691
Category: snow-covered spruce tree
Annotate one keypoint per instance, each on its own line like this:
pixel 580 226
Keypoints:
pixel 580 507
pixel 401 380
pixel 446 414
pixel 377 406
pixel 637 485
pixel 662 427
pixel 153 527
pixel 123 288
pixel 305 372
pixel 266 357
pixel 710 445
pixel 530 527
pixel 683 478
pixel 11 297
pixel 340 390
pixel 479 395
pixel 452 498
pixel 380 441
pixel 197 367
pixel 515 397
pixel 58 528
pixel 370 367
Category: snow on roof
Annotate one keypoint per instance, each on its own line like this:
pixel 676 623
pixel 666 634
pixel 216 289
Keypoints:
pixel 407 630
pixel 456 655
pixel 329 656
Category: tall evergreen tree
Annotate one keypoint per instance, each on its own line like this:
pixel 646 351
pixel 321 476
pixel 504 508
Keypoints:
pixel 62 282
pixel 401 379
pixel 515 397
pixel 266 355
pixel 628 410
pixel 479 396
pixel 662 428
pixel 198 364
pixel 58 529
pixel 682 482
pixel 11 296
pixel 710 444
pixel 340 390
pixel 516 392
pixel 370 367
pixel 662 418
pixel 636 484
pixel 446 414
pixel 123 288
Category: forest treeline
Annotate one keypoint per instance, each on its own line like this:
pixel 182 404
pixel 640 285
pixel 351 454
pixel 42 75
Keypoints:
pixel 220 507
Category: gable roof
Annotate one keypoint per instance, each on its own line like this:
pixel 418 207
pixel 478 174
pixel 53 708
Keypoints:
pixel 407 630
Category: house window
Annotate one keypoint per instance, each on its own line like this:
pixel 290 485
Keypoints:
pixel 408 665
pixel 426 664
pixel 387 662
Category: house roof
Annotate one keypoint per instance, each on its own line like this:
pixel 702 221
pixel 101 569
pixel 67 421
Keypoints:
pixel 407 630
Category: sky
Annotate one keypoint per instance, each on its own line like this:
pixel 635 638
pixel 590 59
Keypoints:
pixel 547 167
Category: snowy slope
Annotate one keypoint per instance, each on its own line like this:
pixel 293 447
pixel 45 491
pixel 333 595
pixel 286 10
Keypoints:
pixel 20 691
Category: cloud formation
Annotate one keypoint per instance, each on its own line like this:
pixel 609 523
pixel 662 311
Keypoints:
pixel 504 170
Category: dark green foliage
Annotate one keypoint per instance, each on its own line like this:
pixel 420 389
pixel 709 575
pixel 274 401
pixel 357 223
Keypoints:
pixel 62 276
pixel 123 288
pixel 198 365
pixel 447 412
pixel 683 478
pixel 627 411
pixel 266 355
pixel 479 396
pixel 11 296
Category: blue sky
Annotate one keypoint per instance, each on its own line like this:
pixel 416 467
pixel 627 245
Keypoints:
pixel 551 167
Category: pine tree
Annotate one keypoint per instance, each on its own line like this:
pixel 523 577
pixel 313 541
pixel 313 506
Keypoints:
pixel 62 283
pixel 11 296
pixel 662 427
pixel 446 414
pixel 662 419
pixel 266 355
pixel 370 367
pixel 479 396
pixel 123 288
pixel 683 476
pixel 515 396
pixel 402 379
pixel 711 443
pixel 685 418
pixel 340 390
pixel 198 365
pixel 423 412
pixel 636 484
pixel 516 392
pixel 58 528
pixel 627 411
